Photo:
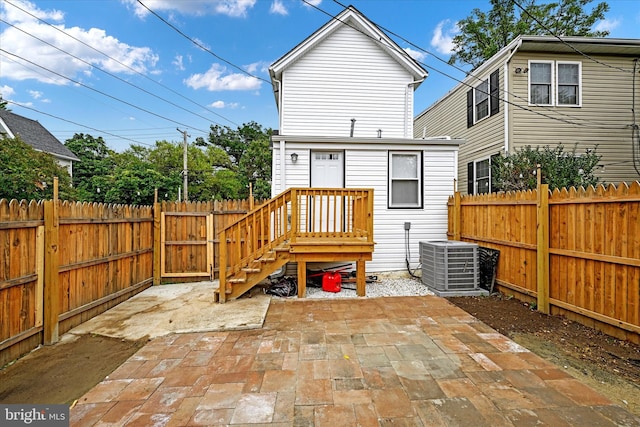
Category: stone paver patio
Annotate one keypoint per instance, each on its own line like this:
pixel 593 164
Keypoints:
pixel 401 361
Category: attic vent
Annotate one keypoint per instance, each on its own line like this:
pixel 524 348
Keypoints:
pixel 450 267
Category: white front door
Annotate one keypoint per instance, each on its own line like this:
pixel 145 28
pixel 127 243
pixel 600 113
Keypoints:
pixel 327 171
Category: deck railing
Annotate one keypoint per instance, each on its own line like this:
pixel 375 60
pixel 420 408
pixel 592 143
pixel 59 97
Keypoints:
pixel 295 214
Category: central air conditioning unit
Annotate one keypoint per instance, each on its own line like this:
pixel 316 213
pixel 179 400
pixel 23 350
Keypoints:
pixel 450 268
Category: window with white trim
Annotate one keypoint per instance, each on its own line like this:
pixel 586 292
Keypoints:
pixel 483 176
pixel 555 83
pixel 568 83
pixel 481 100
pixel 540 83
pixel 405 179
pixel 484 99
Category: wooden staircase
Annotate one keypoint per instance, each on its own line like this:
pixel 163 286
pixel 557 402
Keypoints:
pixel 301 225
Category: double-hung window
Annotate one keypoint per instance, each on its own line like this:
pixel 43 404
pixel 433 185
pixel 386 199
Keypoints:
pixel 568 83
pixel 540 83
pixel 555 83
pixel 483 100
pixel 483 176
pixel 405 179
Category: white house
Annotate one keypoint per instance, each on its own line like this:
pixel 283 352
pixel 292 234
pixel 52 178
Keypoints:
pixel 345 103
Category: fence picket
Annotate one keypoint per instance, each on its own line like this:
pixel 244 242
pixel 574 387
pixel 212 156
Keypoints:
pixel 594 250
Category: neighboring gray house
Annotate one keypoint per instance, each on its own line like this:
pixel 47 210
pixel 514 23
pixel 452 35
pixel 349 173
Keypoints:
pixel 34 134
pixel 345 103
pixel 541 91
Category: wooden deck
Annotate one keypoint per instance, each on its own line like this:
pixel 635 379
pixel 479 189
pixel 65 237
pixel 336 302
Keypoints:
pixel 301 225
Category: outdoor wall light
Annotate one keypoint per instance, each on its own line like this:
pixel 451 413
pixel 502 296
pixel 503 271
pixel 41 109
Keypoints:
pixel 294 157
pixel 519 70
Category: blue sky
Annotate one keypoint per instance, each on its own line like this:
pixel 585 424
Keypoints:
pixel 112 68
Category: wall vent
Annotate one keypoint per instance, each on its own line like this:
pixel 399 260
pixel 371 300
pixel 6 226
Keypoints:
pixel 450 267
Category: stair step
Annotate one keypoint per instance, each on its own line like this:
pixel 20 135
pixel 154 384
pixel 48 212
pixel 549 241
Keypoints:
pixel 237 280
pixel 251 270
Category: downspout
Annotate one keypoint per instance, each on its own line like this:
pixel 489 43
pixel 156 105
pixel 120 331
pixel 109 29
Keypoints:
pixel 506 94
pixel 283 163
pixel 409 114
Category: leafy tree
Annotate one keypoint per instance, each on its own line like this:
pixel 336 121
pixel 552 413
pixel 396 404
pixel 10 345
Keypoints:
pixel 3 104
pixel 255 167
pixel 560 169
pixel 96 163
pixel 248 157
pixel 28 174
pixel 483 34
pixel 235 142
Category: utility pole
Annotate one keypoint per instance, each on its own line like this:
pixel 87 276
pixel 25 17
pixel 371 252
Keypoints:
pixel 185 170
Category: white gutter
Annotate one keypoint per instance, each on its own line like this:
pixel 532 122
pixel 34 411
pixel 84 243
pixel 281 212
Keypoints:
pixel 506 94
pixel 283 163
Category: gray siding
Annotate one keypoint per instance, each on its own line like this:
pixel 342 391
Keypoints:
pixel 604 118
pixel 449 117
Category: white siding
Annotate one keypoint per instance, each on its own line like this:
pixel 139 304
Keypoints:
pixel 347 76
pixel 367 167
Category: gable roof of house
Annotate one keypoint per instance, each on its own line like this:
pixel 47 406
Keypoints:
pixel 34 134
pixel 356 20
pixel 548 44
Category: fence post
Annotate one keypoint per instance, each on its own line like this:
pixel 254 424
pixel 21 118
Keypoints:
pixel 456 215
pixel 51 263
pixel 542 242
pixel 156 240
pixel 222 267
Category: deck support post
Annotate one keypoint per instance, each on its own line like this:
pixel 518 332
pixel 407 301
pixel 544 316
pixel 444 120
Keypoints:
pixel 302 279
pixel 361 283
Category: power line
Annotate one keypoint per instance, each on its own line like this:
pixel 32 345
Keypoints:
pixel 201 46
pixel 77 124
pixel 122 64
pixel 98 91
pixel 467 73
pixel 566 43
pixel 454 78
pixel 106 72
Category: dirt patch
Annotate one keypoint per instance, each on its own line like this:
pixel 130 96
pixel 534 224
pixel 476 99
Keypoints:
pixel 608 365
pixel 63 372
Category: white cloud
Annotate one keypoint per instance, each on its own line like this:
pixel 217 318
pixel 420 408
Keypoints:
pixel 443 34
pixel 234 8
pixel 278 8
pixel 35 94
pixel 21 45
pixel 222 104
pixel 607 25
pixel 177 62
pixel 418 55
pixel 310 3
pixel 216 79
pixel 260 66
pixel 7 92
pixel 201 43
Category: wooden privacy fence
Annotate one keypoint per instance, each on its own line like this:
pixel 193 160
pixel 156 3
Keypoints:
pixel 574 252
pixel 62 263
